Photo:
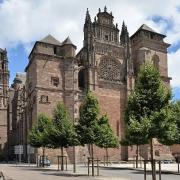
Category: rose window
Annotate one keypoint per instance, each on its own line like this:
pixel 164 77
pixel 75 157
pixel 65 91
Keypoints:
pixel 109 69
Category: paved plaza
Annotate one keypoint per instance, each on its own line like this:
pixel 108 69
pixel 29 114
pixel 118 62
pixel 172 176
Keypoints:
pixel 114 172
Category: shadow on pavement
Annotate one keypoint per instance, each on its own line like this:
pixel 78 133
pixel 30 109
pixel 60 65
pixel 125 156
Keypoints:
pixel 137 171
pixel 66 175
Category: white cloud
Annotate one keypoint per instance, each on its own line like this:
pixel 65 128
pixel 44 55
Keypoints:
pixel 25 21
pixel 174 64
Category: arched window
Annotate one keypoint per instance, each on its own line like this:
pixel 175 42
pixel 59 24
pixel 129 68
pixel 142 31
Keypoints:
pixel 81 79
pixel 155 61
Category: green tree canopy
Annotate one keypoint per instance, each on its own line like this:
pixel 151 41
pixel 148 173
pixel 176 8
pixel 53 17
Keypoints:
pixel 38 136
pixel 175 114
pixel 87 126
pixel 147 107
pixel 176 111
pixel 148 114
pixel 105 135
pixel 62 133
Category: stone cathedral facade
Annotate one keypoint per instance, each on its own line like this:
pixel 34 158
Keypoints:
pixel 107 65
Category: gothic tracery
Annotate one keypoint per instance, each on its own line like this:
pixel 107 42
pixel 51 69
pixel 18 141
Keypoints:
pixel 109 69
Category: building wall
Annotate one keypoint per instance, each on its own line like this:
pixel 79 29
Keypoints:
pixel 108 69
pixel 4 86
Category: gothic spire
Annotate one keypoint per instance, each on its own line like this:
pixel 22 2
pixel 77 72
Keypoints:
pixel 124 37
pixel 105 9
pixel 88 17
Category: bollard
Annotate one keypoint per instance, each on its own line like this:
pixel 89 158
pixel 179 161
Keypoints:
pixel 88 166
pixel 66 162
pixel 159 170
pixel 154 161
pixel 144 169
pixel 104 161
pixel 178 164
pixel 140 162
pixel 97 167
pixel 92 166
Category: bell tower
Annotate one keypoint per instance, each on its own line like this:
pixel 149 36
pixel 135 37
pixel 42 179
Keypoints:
pixel 148 45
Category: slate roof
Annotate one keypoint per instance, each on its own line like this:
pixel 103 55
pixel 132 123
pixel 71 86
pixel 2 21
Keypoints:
pixel 67 41
pixel 51 40
pixel 147 28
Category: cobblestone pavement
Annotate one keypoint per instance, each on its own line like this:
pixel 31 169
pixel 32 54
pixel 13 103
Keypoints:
pixel 114 172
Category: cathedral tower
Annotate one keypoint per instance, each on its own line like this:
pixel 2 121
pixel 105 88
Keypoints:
pixel 104 60
pixel 148 45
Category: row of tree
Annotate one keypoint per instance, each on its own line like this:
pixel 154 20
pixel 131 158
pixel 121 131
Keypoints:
pixel 59 132
pixel 150 113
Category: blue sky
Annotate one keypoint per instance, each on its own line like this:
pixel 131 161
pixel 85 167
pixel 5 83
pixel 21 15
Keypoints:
pixel 23 22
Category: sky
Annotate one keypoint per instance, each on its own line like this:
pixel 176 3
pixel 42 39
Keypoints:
pixel 25 21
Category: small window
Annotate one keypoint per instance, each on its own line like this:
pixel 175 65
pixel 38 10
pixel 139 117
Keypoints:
pixel 152 36
pixel 157 153
pixel 55 50
pixel 81 79
pixel 55 81
pixel 106 37
pixel 44 99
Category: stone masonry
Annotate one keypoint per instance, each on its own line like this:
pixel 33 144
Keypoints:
pixel 107 65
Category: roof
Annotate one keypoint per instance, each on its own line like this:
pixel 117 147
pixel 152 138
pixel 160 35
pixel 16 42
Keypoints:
pixel 1 50
pixel 147 28
pixel 67 41
pixel 50 40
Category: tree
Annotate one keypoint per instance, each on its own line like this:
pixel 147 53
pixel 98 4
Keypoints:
pixel 134 135
pixel 38 136
pixel 147 109
pixel 88 123
pixel 176 112
pixel 62 134
pixel 105 135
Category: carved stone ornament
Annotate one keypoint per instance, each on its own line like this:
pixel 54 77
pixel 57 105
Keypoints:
pixel 109 69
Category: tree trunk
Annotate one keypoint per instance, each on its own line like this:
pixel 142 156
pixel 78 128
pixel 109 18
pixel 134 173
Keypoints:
pixel 107 157
pixel 43 156
pixel 152 160
pixel 92 154
pixel 62 159
pixel 137 155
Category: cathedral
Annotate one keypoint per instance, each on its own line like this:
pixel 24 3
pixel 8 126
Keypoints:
pixel 107 65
